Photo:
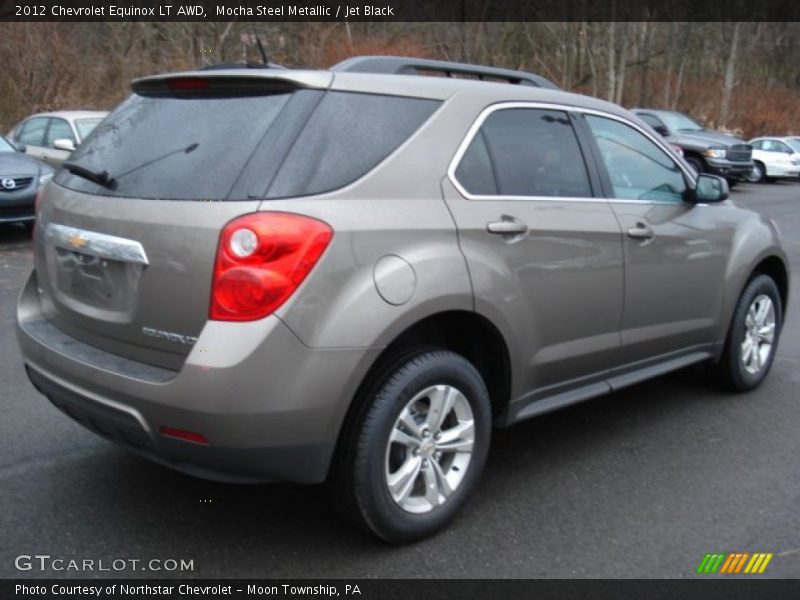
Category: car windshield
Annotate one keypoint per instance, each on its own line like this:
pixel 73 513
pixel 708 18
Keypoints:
pixel 679 122
pixel 5 146
pixel 85 126
pixel 794 143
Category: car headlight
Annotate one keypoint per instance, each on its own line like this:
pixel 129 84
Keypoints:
pixel 715 152
pixel 45 178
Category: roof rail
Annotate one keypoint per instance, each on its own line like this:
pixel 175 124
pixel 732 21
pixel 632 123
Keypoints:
pixel 404 65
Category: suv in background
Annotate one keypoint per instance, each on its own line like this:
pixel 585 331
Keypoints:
pixel 706 150
pixel 353 275
pixel 53 136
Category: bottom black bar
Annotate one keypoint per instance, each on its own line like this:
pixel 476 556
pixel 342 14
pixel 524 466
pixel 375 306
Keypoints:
pixel 394 589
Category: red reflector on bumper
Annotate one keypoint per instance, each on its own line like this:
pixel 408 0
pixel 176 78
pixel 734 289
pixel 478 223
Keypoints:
pixel 188 436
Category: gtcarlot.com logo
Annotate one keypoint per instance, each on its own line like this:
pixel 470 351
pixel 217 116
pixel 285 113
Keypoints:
pixel 46 562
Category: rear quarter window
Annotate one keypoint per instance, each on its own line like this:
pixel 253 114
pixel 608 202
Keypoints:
pixel 347 136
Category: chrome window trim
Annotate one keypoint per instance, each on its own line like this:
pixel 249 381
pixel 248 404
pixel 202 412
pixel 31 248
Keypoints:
pixel 489 110
pixel 96 244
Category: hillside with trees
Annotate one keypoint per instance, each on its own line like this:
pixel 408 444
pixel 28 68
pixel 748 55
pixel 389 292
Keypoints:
pixel 740 76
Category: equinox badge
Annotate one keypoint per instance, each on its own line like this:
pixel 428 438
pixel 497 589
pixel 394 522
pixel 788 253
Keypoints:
pixel 169 336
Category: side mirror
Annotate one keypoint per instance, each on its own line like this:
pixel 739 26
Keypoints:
pixel 661 129
pixel 20 147
pixel 710 188
pixel 64 144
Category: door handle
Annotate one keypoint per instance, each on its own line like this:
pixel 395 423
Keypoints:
pixel 641 232
pixel 507 226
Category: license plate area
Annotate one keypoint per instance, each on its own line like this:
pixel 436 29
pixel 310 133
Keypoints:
pixel 94 274
pixel 96 281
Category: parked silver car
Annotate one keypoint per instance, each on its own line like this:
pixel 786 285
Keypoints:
pixel 53 136
pixel 352 275
pixel 21 178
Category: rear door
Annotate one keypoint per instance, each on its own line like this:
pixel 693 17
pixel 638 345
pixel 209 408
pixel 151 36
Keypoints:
pixel 544 253
pixel 58 129
pixel 674 250
pixel 126 265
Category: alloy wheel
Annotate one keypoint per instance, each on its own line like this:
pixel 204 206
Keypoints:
pixel 429 449
pixel 759 334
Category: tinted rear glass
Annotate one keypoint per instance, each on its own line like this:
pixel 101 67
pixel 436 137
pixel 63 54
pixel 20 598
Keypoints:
pixel 347 136
pixel 213 148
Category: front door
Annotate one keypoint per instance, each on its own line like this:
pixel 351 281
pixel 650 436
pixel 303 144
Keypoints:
pixel 674 250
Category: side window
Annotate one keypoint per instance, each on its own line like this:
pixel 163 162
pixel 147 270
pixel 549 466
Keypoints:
pixel 59 130
pixel 638 168
pixel 525 152
pixel 345 138
pixel 32 132
pixel 474 172
pixel 768 145
pixel 781 147
pixel 758 145
pixel 650 120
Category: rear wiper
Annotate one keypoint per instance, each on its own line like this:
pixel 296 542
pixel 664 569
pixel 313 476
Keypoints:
pixel 98 177
pixel 187 150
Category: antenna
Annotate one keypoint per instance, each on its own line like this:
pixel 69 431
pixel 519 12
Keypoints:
pixel 263 52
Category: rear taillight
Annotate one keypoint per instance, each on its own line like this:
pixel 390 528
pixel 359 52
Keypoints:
pixel 262 259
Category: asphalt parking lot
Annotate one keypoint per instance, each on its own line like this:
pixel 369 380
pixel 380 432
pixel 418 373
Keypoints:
pixel 642 483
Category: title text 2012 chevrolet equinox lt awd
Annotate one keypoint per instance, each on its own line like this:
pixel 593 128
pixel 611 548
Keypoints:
pixel 351 276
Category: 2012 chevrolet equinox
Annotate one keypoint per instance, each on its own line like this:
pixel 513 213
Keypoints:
pixel 352 275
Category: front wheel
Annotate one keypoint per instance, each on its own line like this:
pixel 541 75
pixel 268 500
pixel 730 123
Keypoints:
pixel 418 450
pixel 753 336
pixel 758 174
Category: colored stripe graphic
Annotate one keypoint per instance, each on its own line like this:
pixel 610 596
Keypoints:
pixel 710 563
pixel 734 563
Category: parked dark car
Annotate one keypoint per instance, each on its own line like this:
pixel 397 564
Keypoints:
pixel 21 176
pixel 706 150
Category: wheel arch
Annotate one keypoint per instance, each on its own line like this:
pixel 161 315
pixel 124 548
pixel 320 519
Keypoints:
pixel 775 268
pixel 465 332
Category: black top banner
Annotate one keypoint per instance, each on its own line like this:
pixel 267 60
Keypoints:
pixel 398 10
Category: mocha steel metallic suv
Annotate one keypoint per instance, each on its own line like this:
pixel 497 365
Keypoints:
pixel 353 275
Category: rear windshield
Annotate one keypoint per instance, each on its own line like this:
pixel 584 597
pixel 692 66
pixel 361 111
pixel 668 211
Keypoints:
pixel 243 148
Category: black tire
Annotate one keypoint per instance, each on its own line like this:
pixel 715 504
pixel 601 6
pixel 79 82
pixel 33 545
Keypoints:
pixel 359 476
pixel 697 164
pixel 732 183
pixel 731 371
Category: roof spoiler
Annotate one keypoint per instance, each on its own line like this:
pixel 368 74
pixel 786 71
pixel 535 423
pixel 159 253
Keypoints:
pixel 230 82
pixel 404 65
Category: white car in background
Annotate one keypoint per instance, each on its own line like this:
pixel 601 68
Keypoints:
pixel 775 157
pixel 53 136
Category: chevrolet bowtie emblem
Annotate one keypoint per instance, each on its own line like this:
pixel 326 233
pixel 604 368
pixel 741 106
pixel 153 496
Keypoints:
pixel 76 241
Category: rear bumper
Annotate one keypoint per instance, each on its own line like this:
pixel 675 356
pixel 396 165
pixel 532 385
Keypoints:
pixel 269 407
